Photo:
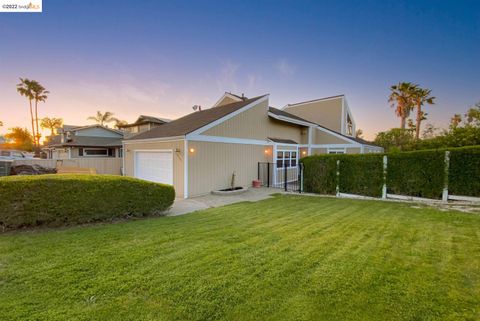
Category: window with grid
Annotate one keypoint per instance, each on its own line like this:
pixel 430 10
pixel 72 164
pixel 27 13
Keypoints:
pixel 286 158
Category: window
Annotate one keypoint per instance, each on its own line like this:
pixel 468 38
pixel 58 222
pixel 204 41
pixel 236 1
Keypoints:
pixel 97 152
pixel 336 151
pixel 286 159
pixel 120 152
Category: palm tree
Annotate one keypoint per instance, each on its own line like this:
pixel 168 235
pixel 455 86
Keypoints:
pixel 39 95
pixel 119 122
pixel 1 123
pixel 51 123
pixel 26 88
pixel 421 96
pixel 401 99
pixel 101 119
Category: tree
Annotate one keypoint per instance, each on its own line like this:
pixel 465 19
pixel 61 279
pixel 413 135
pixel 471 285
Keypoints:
pixel 39 95
pixel 395 139
pixel 1 123
pixel 420 97
pixel 119 123
pixel 401 99
pixel 26 89
pixel 51 123
pixel 359 133
pixel 473 115
pixel 430 131
pixel 21 138
pixel 101 119
pixel 455 121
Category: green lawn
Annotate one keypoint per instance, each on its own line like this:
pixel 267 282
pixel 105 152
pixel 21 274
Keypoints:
pixel 287 258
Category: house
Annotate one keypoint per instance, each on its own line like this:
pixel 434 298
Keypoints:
pixel 84 142
pixel 142 124
pixel 199 152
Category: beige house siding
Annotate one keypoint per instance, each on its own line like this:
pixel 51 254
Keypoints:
pixel 327 113
pixel 178 158
pixel 225 101
pixel 354 150
pixel 316 151
pixel 211 165
pixel 322 137
pixel 255 124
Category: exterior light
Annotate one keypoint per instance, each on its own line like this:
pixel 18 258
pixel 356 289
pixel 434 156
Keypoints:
pixel 267 151
pixel 304 152
pixel 192 150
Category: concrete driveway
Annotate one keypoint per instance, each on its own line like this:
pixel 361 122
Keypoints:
pixel 184 206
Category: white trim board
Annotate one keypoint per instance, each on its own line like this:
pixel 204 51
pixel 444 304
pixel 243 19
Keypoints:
pixel 185 169
pixel 312 101
pixel 154 140
pixel 229 140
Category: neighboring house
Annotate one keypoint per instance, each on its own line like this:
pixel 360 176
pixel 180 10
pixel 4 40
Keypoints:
pixel 199 152
pixel 83 142
pixel 142 124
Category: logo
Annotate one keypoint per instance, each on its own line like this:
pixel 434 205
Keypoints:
pixel 20 5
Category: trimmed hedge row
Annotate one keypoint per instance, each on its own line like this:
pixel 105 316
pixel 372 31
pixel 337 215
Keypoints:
pixel 319 174
pixel 54 200
pixel 464 172
pixel 361 174
pixel 418 173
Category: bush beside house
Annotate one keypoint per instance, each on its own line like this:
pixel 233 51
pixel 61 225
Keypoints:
pixel 54 200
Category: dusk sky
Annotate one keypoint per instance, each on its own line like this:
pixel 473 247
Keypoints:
pixel 160 58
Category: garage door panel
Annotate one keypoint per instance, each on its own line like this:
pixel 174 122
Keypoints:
pixel 154 166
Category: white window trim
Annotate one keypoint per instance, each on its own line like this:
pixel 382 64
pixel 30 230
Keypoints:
pixel 90 148
pixel 283 159
pixel 336 150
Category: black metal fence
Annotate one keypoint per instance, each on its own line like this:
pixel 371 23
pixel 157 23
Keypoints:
pixel 289 178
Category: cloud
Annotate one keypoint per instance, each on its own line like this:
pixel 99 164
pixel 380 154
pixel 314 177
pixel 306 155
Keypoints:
pixel 228 74
pixel 284 67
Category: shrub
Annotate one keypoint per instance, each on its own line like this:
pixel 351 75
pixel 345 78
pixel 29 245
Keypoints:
pixel 464 172
pixel 419 173
pixel 71 199
pixel 361 174
pixel 319 174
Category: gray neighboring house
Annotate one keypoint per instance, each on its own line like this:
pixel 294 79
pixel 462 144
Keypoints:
pixel 142 124
pixel 84 142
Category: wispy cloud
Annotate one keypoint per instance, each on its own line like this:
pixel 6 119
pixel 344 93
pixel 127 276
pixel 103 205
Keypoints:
pixel 284 67
pixel 228 76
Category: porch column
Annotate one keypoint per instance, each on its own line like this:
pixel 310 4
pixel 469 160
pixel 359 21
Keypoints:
pixel 310 134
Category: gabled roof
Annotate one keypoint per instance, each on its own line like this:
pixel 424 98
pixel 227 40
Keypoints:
pixel 231 96
pixel 283 113
pixel 143 119
pixel 85 141
pixel 193 121
pixel 74 129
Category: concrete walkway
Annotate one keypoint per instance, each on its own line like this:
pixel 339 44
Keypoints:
pixel 184 206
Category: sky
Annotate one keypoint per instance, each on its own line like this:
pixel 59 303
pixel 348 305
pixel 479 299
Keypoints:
pixel 160 58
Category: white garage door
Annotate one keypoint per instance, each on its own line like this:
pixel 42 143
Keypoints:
pixel 154 166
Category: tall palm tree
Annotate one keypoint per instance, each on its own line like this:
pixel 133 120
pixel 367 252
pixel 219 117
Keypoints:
pixel 401 99
pixel 420 97
pixel 26 88
pixel 39 95
pixel 51 123
pixel 101 119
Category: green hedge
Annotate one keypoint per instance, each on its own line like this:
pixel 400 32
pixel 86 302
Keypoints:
pixel 419 173
pixel 464 173
pixel 319 174
pixel 55 200
pixel 361 174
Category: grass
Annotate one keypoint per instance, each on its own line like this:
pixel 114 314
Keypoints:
pixel 287 258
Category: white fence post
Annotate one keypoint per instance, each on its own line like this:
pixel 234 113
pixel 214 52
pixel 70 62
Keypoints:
pixel 445 180
pixel 384 187
pixel 338 178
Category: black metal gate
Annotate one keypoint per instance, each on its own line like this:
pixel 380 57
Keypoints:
pixel 287 178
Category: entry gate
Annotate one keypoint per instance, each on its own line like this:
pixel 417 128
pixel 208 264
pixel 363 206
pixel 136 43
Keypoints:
pixel 287 178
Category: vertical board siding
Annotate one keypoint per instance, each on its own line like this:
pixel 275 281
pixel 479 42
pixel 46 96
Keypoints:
pixel 211 165
pixel 103 165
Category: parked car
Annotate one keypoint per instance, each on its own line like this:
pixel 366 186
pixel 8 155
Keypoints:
pixel 13 154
